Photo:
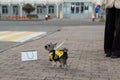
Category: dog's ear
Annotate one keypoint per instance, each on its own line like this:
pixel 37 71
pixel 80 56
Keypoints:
pixel 51 45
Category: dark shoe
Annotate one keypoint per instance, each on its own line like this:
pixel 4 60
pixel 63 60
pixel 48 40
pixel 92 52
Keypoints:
pixel 107 55
pixel 114 56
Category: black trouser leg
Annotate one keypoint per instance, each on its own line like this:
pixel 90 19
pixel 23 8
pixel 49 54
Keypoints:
pixel 116 42
pixel 109 30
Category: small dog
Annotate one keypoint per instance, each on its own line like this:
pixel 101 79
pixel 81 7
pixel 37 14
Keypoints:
pixel 57 56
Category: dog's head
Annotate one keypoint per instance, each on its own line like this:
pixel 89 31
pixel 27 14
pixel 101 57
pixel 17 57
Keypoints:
pixel 50 46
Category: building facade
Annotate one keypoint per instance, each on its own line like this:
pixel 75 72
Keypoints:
pixel 59 9
pixel 77 9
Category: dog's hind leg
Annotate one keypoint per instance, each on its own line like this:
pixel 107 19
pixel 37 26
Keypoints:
pixel 58 64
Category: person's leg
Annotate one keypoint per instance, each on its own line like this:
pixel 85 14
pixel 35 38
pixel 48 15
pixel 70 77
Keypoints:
pixel 116 43
pixel 109 31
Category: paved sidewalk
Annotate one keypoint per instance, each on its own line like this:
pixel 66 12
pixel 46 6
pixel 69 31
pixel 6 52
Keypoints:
pixel 86 61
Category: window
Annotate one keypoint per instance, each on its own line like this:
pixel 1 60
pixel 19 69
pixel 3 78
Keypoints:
pixel 4 9
pixel 75 7
pixel 44 9
pixel 72 7
pixel 82 7
pixel 77 4
pixel 15 10
pixel 39 9
pixel 51 9
pixel 86 6
pixel 79 7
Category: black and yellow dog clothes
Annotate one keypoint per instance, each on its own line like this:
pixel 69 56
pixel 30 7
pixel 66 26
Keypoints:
pixel 57 55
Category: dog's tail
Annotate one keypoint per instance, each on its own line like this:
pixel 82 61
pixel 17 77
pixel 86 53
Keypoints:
pixel 65 50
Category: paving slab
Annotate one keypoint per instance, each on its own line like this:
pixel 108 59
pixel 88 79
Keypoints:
pixel 86 61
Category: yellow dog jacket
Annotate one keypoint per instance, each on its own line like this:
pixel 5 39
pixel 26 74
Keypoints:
pixel 54 55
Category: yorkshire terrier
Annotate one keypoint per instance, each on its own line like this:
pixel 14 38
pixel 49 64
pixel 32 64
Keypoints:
pixel 57 56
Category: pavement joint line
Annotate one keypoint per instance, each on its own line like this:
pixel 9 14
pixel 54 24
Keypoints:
pixel 19 44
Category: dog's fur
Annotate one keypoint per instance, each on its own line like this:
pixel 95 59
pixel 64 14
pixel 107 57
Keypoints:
pixel 61 60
